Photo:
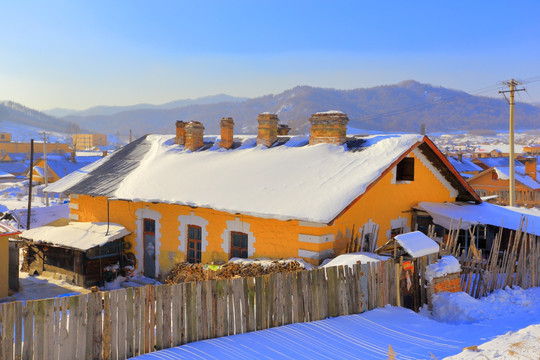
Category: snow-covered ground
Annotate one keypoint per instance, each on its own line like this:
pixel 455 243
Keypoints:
pixel 458 321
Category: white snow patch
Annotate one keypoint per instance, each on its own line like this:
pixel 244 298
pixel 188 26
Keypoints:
pixel 354 258
pixel 446 265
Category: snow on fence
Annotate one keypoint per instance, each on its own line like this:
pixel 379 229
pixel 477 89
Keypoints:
pixel 128 322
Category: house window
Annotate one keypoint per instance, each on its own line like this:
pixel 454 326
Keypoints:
pixel 194 244
pixel 405 170
pixel 396 231
pixel 239 244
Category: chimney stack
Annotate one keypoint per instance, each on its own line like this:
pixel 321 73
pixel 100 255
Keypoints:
pixel 328 127
pixel 180 133
pixel 227 126
pixel 194 132
pixel 283 129
pixel 460 156
pixel 530 167
pixel 267 129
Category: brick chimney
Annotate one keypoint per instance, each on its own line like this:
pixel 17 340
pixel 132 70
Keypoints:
pixel 227 125
pixel 283 129
pixel 267 129
pixel 530 167
pixel 194 135
pixel 180 133
pixel 328 127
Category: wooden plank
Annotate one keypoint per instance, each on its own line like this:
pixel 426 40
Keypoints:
pixel 331 273
pixel 287 301
pixel 56 330
pixel 97 328
pixel 356 270
pixel 167 317
pixel 113 299
pixel 210 314
pixel 130 337
pixel 364 276
pixel 324 293
pixel 313 287
pixel 269 290
pixel 214 299
pixel 122 322
pixel 8 330
pixel 220 308
pixel 146 321
pixel 259 299
pixel 28 346
pixel 190 312
pixel 91 318
pixel 249 287
pixel 278 298
pixel 308 301
pixel 182 302
pixel 175 316
pixel 48 334
pixel 300 311
pixel 63 330
pixel 230 306
pixel 243 300
pixel 39 319
pixel 159 317
pixel 18 309
pixel 199 305
pixel 106 345
pixel 138 325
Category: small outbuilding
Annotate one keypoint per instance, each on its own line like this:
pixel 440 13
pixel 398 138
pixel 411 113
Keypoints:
pixel 412 245
pixel 79 251
pixel 5 232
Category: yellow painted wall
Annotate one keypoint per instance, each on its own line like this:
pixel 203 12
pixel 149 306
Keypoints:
pixel 88 141
pixel 4 266
pixel 385 201
pixel 16 147
pixel 5 137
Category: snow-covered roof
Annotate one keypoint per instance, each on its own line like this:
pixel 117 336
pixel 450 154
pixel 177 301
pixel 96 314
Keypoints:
pixel 448 215
pixel 504 174
pixel 464 165
pixel 497 161
pixel 417 244
pixel 76 235
pixel 289 180
pixel 502 148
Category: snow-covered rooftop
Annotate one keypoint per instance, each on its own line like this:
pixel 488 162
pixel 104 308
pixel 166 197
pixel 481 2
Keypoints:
pixel 287 181
pixel 76 235
pixel 417 244
pixel 354 258
pixel 448 215
pixel 504 174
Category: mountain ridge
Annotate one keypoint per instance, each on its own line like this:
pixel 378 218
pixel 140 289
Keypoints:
pixel 403 107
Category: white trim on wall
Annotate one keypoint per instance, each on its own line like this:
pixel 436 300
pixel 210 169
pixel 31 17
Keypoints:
pixel 184 221
pixel 239 226
pixel 141 214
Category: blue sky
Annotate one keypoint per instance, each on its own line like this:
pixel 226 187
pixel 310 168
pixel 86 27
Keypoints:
pixel 77 54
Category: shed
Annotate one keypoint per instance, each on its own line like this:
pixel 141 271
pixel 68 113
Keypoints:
pixel 414 245
pixel 5 264
pixel 80 250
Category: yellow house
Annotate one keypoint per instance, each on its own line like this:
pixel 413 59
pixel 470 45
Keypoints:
pixel 88 141
pixel 209 198
pixel 57 167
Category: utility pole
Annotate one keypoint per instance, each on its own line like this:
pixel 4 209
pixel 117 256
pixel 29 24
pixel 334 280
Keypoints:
pixel 45 172
pixel 512 85
pixel 28 215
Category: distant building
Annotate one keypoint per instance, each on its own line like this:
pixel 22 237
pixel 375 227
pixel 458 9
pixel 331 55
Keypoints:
pixel 5 137
pixel 89 141
pixel 495 181
pixel 533 150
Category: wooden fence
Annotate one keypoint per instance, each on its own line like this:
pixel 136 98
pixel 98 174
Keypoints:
pixel 128 322
pixel 518 265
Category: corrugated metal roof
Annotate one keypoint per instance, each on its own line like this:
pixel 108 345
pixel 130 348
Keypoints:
pixel 105 179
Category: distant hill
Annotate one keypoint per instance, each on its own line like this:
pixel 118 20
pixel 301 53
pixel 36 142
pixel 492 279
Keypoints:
pixel 24 122
pixel 400 107
pixel 111 110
